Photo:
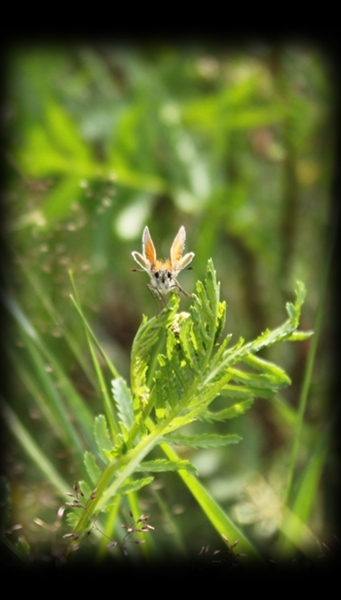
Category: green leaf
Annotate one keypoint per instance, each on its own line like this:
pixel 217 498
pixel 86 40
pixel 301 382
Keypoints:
pixel 207 440
pixel 298 336
pixel 160 465
pixel 124 402
pixel 147 338
pixel 85 489
pixel 221 319
pixel 91 466
pixel 291 310
pixel 208 315
pixel 169 385
pixel 189 345
pixel 275 372
pixel 72 517
pixel 173 378
pixel 294 310
pixel 133 486
pixel 102 435
pixel 235 391
pixel 262 381
pixel 228 413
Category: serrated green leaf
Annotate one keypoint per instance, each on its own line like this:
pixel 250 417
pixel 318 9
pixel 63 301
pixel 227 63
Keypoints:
pixel 111 454
pixel 91 466
pixel 160 465
pixel 172 379
pixel 145 339
pixel 124 402
pixel 235 391
pixel 207 314
pixel 218 356
pixel 268 338
pixel 221 319
pixel 102 436
pixel 228 413
pixel 133 486
pixel 85 489
pixel 148 336
pixel 72 516
pixel 208 440
pixel 264 381
pixel 167 388
pixel 179 422
pixel 189 345
pixel 275 372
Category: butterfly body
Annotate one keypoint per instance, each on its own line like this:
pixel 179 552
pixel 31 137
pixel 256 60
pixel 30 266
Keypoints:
pixel 163 273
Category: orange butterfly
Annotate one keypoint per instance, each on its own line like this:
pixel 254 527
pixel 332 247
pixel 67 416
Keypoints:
pixel 163 273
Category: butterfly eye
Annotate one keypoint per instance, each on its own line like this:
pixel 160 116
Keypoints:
pixel 156 274
pixel 169 275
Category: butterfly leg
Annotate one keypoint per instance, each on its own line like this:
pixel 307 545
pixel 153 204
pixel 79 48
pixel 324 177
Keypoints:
pixel 178 286
pixel 159 299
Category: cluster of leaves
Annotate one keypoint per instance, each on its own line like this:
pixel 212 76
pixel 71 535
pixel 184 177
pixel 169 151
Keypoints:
pixel 178 369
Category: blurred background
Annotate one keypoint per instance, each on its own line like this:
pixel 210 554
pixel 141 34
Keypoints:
pixel 237 145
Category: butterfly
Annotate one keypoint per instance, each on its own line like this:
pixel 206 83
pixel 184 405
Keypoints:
pixel 163 273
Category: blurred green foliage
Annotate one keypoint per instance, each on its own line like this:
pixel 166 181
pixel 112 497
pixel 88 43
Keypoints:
pixel 237 146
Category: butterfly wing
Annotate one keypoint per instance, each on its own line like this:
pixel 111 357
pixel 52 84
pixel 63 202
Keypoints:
pixel 149 255
pixel 178 261
pixel 184 261
pixel 178 246
pixel 148 247
pixel 141 260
